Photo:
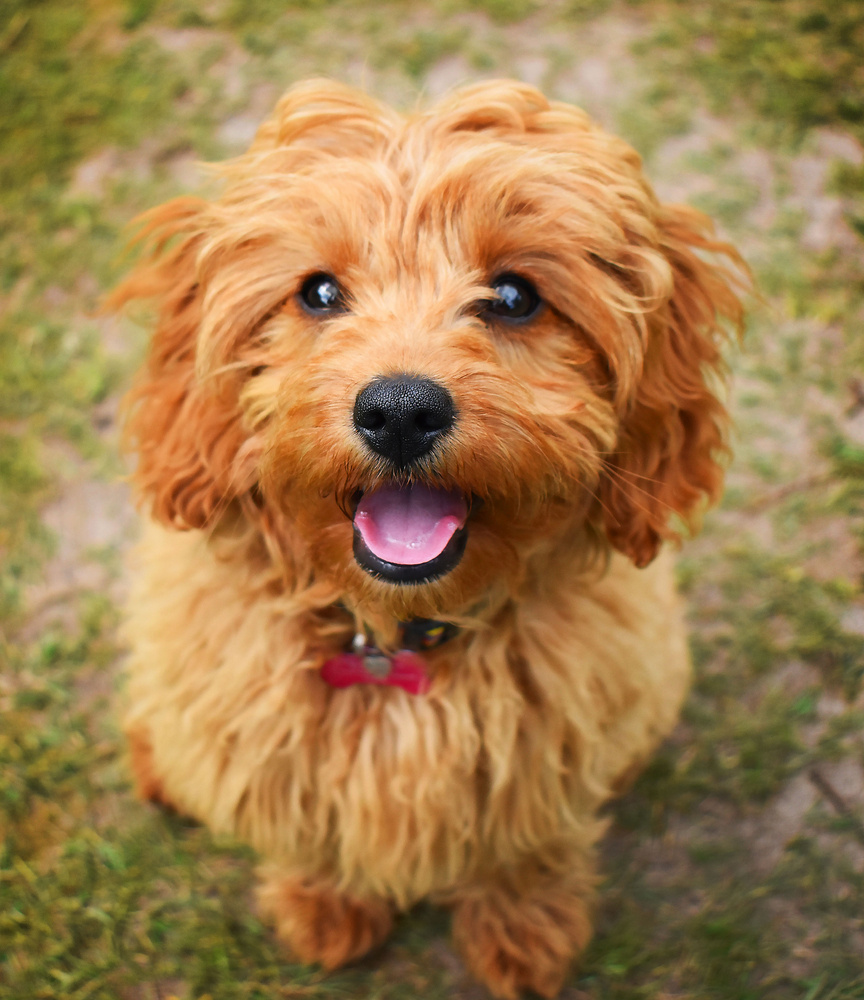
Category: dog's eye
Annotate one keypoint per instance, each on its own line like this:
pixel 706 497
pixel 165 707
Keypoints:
pixel 321 294
pixel 515 299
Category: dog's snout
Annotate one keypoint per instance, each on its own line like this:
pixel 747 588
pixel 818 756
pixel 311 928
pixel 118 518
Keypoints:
pixel 402 416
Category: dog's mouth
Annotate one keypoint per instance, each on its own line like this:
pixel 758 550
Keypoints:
pixel 411 533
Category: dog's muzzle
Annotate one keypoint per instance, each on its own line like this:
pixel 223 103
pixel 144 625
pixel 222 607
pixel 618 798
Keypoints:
pixel 407 532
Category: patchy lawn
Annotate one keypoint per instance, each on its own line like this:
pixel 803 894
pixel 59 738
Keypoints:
pixel 735 868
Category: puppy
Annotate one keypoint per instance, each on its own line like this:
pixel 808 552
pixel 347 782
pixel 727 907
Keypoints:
pixel 425 396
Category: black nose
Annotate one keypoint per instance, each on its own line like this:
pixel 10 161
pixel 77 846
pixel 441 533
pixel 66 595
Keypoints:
pixel 402 416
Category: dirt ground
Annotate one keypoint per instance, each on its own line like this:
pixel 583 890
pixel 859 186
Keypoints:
pixel 735 867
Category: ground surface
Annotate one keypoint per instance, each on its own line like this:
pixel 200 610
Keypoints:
pixel 735 868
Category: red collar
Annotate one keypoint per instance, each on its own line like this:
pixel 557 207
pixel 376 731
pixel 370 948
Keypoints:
pixel 367 664
pixel 404 669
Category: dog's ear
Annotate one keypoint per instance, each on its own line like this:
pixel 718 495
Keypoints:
pixel 186 432
pixel 672 445
pixel 215 272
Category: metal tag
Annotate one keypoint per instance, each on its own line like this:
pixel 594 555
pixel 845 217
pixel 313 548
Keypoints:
pixel 378 666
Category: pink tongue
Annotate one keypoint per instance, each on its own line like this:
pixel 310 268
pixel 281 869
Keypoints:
pixel 409 525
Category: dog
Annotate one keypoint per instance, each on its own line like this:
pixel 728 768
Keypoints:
pixel 426 400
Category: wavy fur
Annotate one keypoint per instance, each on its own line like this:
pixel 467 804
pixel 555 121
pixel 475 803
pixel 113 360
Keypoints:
pixel 583 432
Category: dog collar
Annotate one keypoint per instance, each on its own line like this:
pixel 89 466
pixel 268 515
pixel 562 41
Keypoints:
pixel 365 663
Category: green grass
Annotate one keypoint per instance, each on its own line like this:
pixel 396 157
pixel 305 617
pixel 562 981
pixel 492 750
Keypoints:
pixel 793 63
pixel 101 897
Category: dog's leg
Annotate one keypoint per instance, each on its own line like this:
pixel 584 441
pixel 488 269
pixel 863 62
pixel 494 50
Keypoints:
pixel 523 933
pixel 319 923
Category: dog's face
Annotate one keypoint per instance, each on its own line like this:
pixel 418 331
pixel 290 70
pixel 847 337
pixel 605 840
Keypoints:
pixel 434 349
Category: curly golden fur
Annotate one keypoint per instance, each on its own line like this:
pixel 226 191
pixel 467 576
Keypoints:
pixel 581 434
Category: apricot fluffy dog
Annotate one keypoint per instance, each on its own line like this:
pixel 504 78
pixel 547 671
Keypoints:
pixel 423 395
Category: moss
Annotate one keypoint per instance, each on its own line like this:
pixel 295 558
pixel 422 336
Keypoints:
pixel 416 54
pixel 760 589
pixel 23 540
pixel 796 64
pixel 664 111
pixel 503 11
pixel 53 111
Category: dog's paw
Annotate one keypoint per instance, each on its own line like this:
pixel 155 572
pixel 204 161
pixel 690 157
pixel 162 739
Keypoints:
pixel 148 785
pixel 513 943
pixel 320 924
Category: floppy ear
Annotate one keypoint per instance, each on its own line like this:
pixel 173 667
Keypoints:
pixel 673 437
pixel 186 433
pixel 216 271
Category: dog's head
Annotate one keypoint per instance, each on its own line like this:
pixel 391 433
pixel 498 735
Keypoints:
pixel 432 348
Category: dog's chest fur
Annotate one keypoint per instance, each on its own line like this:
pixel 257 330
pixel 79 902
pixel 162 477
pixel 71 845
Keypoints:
pixel 388 792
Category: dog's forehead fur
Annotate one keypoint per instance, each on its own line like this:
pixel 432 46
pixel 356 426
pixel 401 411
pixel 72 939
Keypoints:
pixel 418 214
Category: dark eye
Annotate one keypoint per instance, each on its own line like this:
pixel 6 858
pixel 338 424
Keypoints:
pixel 321 294
pixel 515 298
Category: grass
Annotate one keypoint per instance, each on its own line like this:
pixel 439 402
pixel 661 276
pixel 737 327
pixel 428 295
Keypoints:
pixel 708 894
pixel 795 64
